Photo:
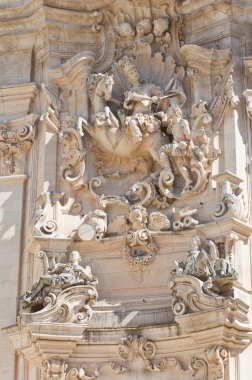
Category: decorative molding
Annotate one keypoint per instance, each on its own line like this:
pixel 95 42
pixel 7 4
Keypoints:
pixel 50 292
pixel 16 138
pixel 16 100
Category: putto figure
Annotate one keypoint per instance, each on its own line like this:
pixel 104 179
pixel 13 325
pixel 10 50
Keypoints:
pixel 59 278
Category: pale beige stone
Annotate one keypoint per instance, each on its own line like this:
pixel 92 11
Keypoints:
pixel 125 135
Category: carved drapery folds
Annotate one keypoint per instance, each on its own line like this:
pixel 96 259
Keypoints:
pixel 64 293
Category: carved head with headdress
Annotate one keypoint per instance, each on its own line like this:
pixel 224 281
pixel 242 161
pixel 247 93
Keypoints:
pixel 129 70
pixel 143 27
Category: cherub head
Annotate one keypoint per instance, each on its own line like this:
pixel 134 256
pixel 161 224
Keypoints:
pixel 143 27
pixel 125 29
pixel 161 25
pixel 74 257
pixel 138 216
pixel 175 112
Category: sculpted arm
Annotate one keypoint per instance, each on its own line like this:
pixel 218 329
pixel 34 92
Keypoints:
pixel 133 97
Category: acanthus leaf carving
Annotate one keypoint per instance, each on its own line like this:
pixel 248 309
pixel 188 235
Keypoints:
pixel 55 369
pixel 16 138
pixel 216 358
pixel 134 346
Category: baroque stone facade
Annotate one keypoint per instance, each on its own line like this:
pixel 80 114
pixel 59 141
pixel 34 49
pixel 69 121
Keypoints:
pixel 125 149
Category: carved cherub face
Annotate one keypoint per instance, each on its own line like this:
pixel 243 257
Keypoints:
pixel 133 76
pixel 138 216
pixel 143 27
pixel 125 29
pixel 74 257
pixel 161 25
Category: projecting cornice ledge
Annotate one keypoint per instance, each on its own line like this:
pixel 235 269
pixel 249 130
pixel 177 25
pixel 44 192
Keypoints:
pixel 206 61
pixel 207 316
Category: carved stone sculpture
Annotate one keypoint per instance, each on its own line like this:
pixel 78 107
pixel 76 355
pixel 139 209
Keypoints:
pixel 229 197
pixel 94 226
pixel 16 138
pixel 206 265
pixel 139 249
pixel 61 277
pixel 55 369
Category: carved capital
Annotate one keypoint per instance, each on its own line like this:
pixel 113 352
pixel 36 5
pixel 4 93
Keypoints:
pixel 16 138
pixel 55 369
pixel 216 359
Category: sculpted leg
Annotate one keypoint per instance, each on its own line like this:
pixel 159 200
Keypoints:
pixel 79 125
pixel 39 285
pixel 135 131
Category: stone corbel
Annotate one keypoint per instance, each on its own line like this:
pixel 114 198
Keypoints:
pixel 73 157
pixel 16 138
pixel 195 302
pixel 229 199
pixel 45 217
pixel 212 365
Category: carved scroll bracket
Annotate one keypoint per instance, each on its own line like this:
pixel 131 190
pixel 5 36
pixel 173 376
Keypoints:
pixel 229 198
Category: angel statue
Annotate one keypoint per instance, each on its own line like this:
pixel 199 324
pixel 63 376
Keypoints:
pixel 60 277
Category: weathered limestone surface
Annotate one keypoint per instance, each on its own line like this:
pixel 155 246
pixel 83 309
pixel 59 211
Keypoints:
pixel 126 191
